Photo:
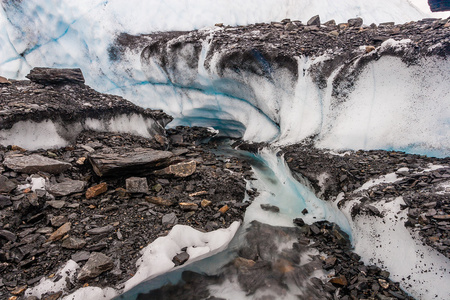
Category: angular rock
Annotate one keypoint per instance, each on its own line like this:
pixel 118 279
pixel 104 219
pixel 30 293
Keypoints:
pixel 60 232
pixel 80 256
pixel 5 201
pixel 54 76
pixel 35 163
pixel 73 243
pixel 58 221
pixel 355 22
pixel 160 201
pixel 6 185
pixel 180 258
pixel 67 187
pixel 169 219
pixel 96 190
pixel 58 204
pixel 96 265
pixel 101 230
pixel 224 209
pixel 188 206
pixel 3 80
pixel 137 185
pixel 183 169
pixel 205 203
pixel 141 162
pixel 314 21
pixel 8 235
pixel 340 280
pixel 269 207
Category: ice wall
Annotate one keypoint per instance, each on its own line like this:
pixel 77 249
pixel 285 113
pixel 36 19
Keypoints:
pixel 67 33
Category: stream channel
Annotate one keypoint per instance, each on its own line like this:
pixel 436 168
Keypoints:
pixel 271 235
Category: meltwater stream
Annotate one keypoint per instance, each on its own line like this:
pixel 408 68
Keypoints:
pixel 276 186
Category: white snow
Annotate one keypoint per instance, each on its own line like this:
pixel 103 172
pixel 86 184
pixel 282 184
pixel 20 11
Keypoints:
pixel 157 257
pixel 47 285
pixel 386 242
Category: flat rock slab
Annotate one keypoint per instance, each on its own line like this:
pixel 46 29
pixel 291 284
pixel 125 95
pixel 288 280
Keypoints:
pixel 96 265
pixel 51 76
pixel 141 162
pixel 67 187
pixel 35 163
pixel 6 185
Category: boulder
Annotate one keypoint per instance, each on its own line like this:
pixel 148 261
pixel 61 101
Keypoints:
pixel 67 187
pixel 142 162
pixel 3 80
pixel 355 22
pixel 96 265
pixel 35 163
pixel 314 21
pixel 55 76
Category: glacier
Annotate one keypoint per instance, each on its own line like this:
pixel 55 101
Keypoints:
pixel 407 110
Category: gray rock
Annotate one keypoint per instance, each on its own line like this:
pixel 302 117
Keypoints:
pixel 96 265
pixel 58 221
pixel 52 76
pixel 73 243
pixel 80 256
pixel 137 185
pixel 271 208
pixel 169 219
pixel 67 187
pixel 355 22
pixel 314 21
pixel 35 163
pixel 5 201
pixel 6 185
pixel 58 204
pixel 8 235
pixel 180 258
pixel 101 230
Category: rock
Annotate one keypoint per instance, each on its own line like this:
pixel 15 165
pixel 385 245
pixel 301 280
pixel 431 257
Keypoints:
pixel 369 49
pixel 290 26
pixel 3 80
pixel 355 22
pixel 271 208
pixel 441 217
pixel 340 280
pixel 383 283
pixel 6 185
pixel 60 232
pixel 314 21
pixel 334 33
pixel 101 230
pixel 183 169
pixel 8 235
pixel 80 256
pixel 169 219
pixel 54 76
pixel 329 262
pixel 19 290
pixel 241 262
pixel 58 204
pixel 224 209
pixel 35 163
pixel 160 201
pixel 73 243
pixel 330 23
pixel 142 162
pixel 67 187
pixel 299 222
pixel 5 201
pixel 180 258
pixel 205 203
pixel 136 185
pixel 96 265
pixel 58 221
pixel 96 190
pixel 188 206
pixel 53 296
